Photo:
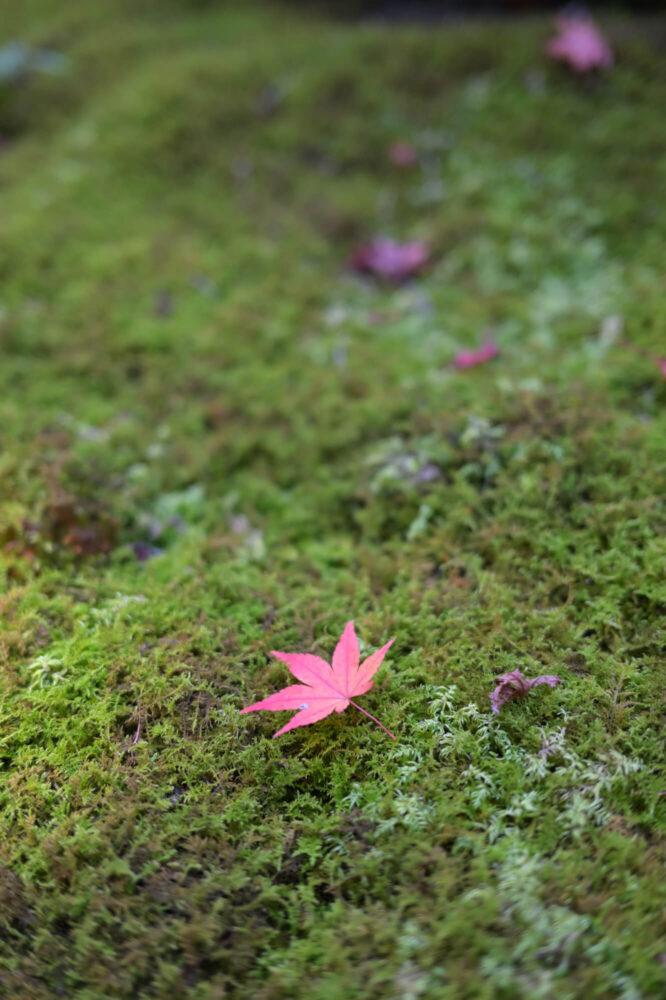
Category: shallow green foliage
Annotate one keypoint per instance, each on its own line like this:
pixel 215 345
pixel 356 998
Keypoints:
pixel 187 363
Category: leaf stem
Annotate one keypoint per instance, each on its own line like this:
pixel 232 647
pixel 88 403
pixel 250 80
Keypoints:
pixel 371 717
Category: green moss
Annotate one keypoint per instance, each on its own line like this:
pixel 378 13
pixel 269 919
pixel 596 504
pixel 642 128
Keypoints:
pixel 186 362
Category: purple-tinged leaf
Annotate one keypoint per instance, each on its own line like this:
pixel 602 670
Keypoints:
pixel 402 154
pixel 515 685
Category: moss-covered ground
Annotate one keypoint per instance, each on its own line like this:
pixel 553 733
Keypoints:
pixel 187 363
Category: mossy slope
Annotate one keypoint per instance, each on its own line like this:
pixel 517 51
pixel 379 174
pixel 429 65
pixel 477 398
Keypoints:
pixel 187 364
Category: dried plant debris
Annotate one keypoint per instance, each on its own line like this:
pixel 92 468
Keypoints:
pixel 515 685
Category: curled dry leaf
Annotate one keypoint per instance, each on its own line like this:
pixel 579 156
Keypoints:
pixel 580 44
pixel 515 685
pixel 391 261
pixel 326 688
pixel 470 359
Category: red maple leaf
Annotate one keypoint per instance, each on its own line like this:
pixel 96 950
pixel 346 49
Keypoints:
pixel 391 261
pixel 581 44
pixel 515 685
pixel 470 359
pixel 326 688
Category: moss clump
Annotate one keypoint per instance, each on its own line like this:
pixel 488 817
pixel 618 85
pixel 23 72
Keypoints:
pixel 188 369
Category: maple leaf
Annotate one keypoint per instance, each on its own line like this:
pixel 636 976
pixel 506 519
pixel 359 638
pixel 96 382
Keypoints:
pixel 389 260
pixel 326 688
pixel 581 44
pixel 515 685
pixel 469 359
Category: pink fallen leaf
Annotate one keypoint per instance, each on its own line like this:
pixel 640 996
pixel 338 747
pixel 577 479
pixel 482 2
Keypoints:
pixel 389 260
pixel 580 44
pixel 469 359
pixel 327 688
pixel 661 364
pixel 402 154
pixel 515 685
